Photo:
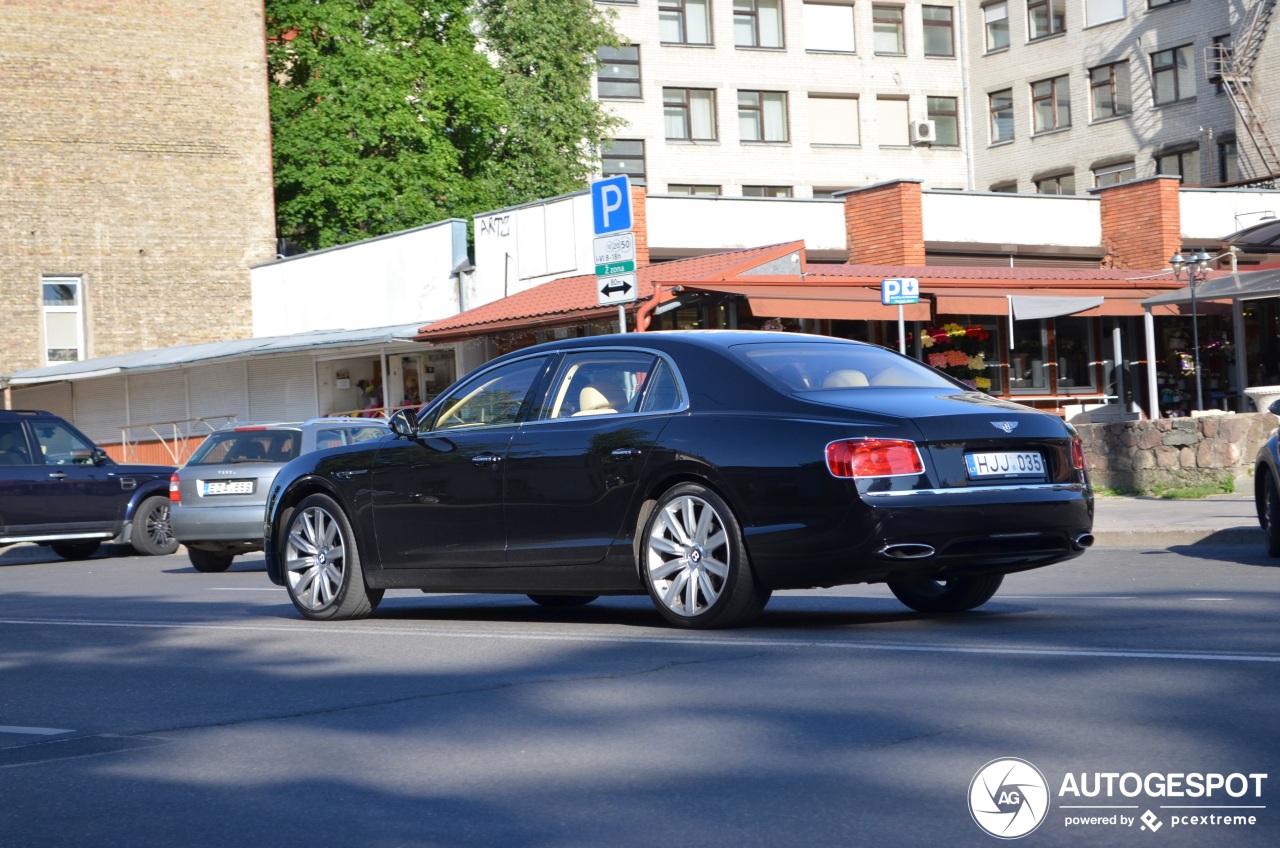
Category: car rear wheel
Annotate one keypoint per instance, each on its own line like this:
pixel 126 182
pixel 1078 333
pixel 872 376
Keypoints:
pixel 75 550
pixel 1269 512
pixel 322 564
pixel 562 600
pixel 152 535
pixel 954 595
pixel 694 562
pixel 209 562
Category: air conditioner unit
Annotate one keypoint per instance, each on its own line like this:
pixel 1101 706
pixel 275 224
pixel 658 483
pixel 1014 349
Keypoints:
pixel 924 132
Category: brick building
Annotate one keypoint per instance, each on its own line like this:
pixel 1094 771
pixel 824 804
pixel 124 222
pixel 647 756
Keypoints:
pixel 135 175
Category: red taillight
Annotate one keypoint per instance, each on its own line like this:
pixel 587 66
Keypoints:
pixel 1077 454
pixel 173 488
pixel 873 458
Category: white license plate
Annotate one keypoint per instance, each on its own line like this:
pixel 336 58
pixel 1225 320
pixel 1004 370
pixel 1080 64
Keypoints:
pixel 1005 464
pixel 226 487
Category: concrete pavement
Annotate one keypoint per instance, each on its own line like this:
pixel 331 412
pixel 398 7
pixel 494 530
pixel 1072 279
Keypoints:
pixel 1134 521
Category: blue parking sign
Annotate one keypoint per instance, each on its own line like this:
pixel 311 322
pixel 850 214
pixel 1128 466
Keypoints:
pixel 611 205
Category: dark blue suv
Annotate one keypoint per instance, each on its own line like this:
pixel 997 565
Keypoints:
pixel 59 489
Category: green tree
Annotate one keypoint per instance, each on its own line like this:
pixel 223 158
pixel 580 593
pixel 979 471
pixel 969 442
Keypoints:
pixel 388 114
pixel 545 51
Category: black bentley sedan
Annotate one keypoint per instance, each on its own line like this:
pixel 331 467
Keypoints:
pixel 705 468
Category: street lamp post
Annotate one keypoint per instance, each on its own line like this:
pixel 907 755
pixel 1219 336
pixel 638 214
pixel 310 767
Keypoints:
pixel 1194 269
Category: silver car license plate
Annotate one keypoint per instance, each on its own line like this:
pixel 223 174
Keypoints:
pixel 226 487
pixel 1005 464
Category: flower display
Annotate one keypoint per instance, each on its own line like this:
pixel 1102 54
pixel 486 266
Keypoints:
pixel 958 351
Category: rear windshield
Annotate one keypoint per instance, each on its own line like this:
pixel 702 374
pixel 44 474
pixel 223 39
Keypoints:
pixel 248 446
pixel 817 366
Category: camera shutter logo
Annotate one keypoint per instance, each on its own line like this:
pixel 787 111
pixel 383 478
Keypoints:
pixel 1008 798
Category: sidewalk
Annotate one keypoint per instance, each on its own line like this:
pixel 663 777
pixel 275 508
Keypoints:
pixel 1160 523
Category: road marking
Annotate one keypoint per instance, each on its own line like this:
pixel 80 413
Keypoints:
pixel 34 731
pixel 1208 599
pixel 372 628
pixel 1068 597
pixel 245 589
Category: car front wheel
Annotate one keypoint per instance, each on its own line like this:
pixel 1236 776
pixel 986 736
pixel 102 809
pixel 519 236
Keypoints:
pixel 956 594
pixel 322 563
pixel 152 535
pixel 694 562
pixel 1269 513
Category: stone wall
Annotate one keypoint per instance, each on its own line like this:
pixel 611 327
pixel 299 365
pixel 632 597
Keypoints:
pixel 1166 453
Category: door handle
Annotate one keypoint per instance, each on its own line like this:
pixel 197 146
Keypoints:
pixel 486 460
pixel 625 453
pixel 58 475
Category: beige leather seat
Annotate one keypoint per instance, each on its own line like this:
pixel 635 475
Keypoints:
pixel 845 378
pixel 598 399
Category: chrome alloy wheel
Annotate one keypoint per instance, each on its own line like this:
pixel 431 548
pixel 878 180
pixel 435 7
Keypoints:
pixel 688 555
pixel 315 558
pixel 158 530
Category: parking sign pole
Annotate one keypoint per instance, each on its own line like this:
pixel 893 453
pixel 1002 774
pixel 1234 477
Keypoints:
pixel 622 318
pixel 902 332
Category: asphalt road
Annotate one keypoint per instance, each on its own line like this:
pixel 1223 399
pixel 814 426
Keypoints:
pixel 142 703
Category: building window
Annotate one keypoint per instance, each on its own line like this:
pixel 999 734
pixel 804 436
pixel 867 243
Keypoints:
pixel 623 156
pixel 939 31
pixel 63 319
pixel 1005 188
pixel 1046 18
pixel 1184 163
pixel 1101 11
pixel 833 120
pixel 1001 115
pixel 757 23
pixel 1109 90
pixel 893 121
pixel 1051 350
pixel 887 23
pixel 1059 184
pixel 690 113
pixel 695 190
pixel 1228 161
pixel 995 18
pixel 684 21
pixel 1051 104
pixel 1173 75
pixel 619 73
pixel 1110 175
pixel 762 116
pixel 828 193
pixel 828 27
pixel 766 191
pixel 945 114
pixel 1151 4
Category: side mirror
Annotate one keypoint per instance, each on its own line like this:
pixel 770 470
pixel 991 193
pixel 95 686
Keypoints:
pixel 1274 408
pixel 100 457
pixel 404 423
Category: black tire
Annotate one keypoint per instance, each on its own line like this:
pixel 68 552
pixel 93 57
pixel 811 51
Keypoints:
pixel 152 535
pixel 321 563
pixel 209 562
pixel 562 600
pixel 75 550
pixel 954 595
pixel 694 562
pixel 1269 514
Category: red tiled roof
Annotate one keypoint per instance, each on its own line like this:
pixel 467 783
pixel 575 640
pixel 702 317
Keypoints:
pixel 576 298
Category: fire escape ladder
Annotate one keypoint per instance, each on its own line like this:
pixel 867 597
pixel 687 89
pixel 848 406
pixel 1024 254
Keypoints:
pixel 1231 66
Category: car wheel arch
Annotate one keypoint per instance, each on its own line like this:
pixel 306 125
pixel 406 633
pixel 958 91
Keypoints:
pixel 660 487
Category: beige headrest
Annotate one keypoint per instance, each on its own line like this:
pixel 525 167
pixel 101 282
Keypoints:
pixel 844 378
pixel 591 401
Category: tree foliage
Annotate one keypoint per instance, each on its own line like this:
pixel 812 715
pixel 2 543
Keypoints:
pixel 388 114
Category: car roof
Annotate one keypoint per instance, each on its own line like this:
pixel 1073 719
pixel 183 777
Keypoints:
pixel 298 425
pixel 675 339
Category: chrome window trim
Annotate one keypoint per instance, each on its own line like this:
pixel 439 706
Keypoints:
pixel 970 490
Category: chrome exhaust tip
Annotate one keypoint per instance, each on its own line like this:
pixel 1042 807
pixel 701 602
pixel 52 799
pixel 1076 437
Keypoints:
pixel 907 550
pixel 1084 540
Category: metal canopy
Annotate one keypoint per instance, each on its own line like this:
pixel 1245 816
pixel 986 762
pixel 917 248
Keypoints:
pixel 1250 285
pixel 176 357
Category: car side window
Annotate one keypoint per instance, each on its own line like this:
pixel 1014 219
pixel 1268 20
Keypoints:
pixel 492 399
pixel 13 445
pixel 61 446
pixel 662 393
pixel 598 382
